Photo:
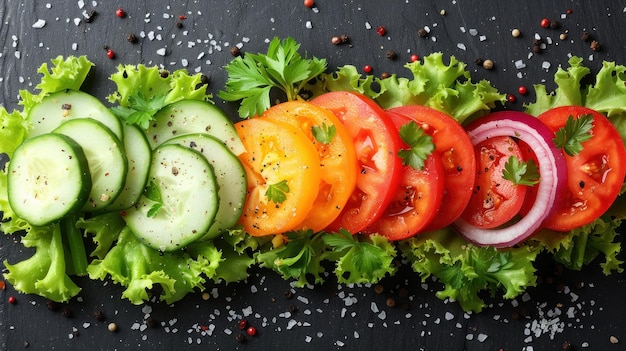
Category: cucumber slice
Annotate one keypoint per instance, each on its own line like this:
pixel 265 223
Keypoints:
pixel 193 116
pixel 229 174
pixel 180 202
pixel 48 178
pixel 138 154
pixel 65 105
pixel 105 156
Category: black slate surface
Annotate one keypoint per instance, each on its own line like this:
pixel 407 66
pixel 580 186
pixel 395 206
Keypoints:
pixel 589 306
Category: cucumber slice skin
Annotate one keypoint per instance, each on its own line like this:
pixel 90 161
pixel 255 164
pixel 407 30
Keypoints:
pixel 188 192
pixel 105 156
pixel 66 105
pixel 48 178
pixel 193 116
pixel 138 153
pixel 230 175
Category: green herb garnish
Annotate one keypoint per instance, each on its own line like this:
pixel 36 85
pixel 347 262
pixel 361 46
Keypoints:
pixel 421 145
pixel 251 77
pixel 324 133
pixel 152 192
pixel 521 172
pixel 277 192
pixel 575 131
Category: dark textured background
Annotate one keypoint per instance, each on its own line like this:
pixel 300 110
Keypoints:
pixel 330 316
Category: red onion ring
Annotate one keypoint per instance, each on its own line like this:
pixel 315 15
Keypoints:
pixel 552 169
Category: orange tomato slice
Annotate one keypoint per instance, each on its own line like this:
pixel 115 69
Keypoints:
pixel 277 155
pixel 337 158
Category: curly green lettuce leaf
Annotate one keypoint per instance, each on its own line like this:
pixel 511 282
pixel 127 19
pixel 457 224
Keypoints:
pixel 236 247
pixel 360 259
pixel 297 258
pixel 444 87
pixel 139 268
pixel 466 270
pixel 67 73
pixel 44 273
pixel 142 91
pixel 605 93
pixel 104 230
pixel 581 246
pixel 13 129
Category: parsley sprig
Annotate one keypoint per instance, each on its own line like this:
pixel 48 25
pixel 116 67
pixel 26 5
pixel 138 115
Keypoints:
pixel 277 192
pixel 420 144
pixel 575 131
pixel 252 77
pixel 521 172
pixel 152 192
pixel 324 134
pixel 140 110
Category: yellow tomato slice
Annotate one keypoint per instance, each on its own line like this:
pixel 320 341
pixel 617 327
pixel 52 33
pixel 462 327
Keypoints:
pixel 280 159
pixel 337 157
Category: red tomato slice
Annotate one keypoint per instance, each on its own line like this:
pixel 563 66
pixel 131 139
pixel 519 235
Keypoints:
pixel 531 191
pixel 376 141
pixel 337 159
pixel 456 151
pixel 416 201
pixel 495 200
pixel 595 175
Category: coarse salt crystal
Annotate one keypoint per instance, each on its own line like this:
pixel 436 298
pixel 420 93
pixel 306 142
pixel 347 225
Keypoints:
pixel 473 32
pixel 292 323
pixel 368 25
pixel 374 307
pixel 39 24
pixel 546 65
pixel 449 316
pixel 482 337
pixel 308 25
pixel 161 52
pixel 461 46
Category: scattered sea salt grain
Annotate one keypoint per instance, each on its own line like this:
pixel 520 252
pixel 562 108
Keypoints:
pixel 39 24
pixel 374 307
pixel 368 26
pixel 482 337
pixel 449 316
pixel 309 25
pixel 461 46
pixel 519 64
pixel 546 65
pixel 161 52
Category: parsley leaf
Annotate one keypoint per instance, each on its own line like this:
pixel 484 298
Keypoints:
pixel 152 192
pixel 521 172
pixel 251 77
pixel 324 133
pixel 140 109
pixel 277 192
pixel 575 131
pixel 421 145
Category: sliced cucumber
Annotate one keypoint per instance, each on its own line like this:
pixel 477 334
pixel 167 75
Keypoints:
pixel 229 174
pixel 62 106
pixel 193 116
pixel 105 156
pixel 138 154
pixel 48 178
pixel 182 201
